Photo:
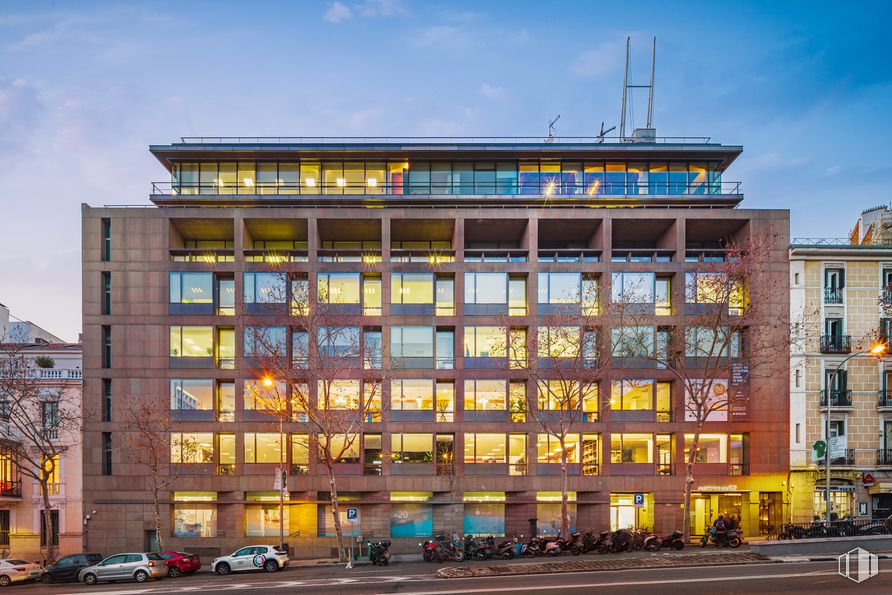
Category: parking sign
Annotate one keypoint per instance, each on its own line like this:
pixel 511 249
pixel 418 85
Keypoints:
pixel 639 500
pixel 352 514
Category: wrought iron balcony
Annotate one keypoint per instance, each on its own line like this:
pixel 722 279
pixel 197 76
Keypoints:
pixel 833 295
pixel 11 489
pixel 836 344
pixel 838 398
pixel 847 458
pixel 884 398
pixel 884 456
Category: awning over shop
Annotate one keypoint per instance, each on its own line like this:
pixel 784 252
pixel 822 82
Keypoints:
pixel 880 488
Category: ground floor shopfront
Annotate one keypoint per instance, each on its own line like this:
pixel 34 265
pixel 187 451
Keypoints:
pixel 858 494
pixel 210 523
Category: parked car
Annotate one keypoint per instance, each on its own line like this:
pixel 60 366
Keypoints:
pixel 17 571
pixel 124 567
pixel 253 557
pixel 180 563
pixel 65 569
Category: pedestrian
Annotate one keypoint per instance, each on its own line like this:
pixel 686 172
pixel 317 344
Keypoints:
pixel 720 528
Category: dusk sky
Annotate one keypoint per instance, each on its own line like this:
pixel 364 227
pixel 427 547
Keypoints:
pixel 85 87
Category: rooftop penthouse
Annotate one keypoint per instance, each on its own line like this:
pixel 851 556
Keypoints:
pixel 640 171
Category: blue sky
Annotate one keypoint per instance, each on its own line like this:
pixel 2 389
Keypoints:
pixel 85 87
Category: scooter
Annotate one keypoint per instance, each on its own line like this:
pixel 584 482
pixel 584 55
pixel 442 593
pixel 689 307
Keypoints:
pixel 730 539
pixel 654 543
pixel 506 549
pixel 619 541
pixel 554 546
pixel 536 546
pixel 477 551
pixel 523 549
pixel 378 552
pixel 574 544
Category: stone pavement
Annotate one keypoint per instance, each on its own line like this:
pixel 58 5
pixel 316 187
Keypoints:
pixel 606 562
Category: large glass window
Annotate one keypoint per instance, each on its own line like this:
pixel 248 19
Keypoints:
pixel 411 519
pixel 300 454
pixel 548 448
pixel 266 341
pixel 559 341
pixel 711 448
pixel 412 448
pixel 445 296
pixel 633 341
pixel 264 288
pixel 704 341
pixel 485 341
pixel 486 395
pixel 412 288
pixel 191 288
pixel 631 448
pixel 706 288
pixel 263 447
pixel 632 394
pixel 191 341
pixel 191 447
pixel 272 398
pixel 486 288
pixel 485 448
pixel 338 288
pixel 344 448
pixel 192 394
pixel 560 288
pixel 633 288
pixel 412 395
pixel 338 395
pixel 195 514
pixel 263 520
pixel 411 341
pixel 339 341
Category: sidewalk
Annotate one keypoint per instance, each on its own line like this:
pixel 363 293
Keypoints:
pixel 666 560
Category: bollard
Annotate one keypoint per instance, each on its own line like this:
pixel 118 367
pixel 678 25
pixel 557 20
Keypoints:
pixel 350 559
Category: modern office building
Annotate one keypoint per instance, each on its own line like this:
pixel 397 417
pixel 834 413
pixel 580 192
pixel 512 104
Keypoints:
pixel 840 304
pixel 456 237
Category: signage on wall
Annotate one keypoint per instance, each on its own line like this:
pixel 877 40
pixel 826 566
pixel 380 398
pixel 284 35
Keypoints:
pixel 868 479
pixel 352 514
pixel 862 508
pixel 639 500
pixel 740 391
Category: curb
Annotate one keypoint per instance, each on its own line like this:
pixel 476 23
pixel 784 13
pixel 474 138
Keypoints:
pixel 800 559
pixel 603 565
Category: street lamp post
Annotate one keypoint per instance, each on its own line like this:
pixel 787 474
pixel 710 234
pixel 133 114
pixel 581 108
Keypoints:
pixel 877 350
pixel 268 383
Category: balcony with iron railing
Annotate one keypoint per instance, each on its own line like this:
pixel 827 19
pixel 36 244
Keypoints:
pixel 884 399
pixel 845 458
pixel 833 295
pixel 833 344
pixel 11 489
pixel 838 398
pixel 884 457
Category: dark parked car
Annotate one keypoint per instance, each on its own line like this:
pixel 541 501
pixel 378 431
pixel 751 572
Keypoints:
pixel 65 569
pixel 180 563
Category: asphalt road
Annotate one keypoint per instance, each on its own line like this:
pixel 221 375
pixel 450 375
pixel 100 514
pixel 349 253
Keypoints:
pixel 418 579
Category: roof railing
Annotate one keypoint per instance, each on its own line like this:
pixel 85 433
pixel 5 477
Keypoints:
pixel 831 243
pixel 329 140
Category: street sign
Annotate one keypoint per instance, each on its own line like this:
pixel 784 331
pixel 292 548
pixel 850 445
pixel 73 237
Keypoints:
pixel 639 500
pixel 352 514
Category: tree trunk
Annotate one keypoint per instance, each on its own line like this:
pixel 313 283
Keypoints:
pixel 565 513
pixel 336 514
pixel 50 548
pixel 157 506
pixel 689 482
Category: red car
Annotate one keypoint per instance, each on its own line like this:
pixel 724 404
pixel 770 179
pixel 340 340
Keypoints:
pixel 180 563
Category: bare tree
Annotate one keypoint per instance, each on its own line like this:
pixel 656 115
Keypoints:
pixel 564 365
pixel 735 328
pixel 41 423
pixel 331 383
pixel 148 431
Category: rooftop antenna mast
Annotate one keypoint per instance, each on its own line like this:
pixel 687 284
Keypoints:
pixel 604 132
pixel 551 130
pixel 627 85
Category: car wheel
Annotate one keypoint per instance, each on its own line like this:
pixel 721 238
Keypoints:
pixel 90 579
pixel 174 572
pixel 46 578
pixel 223 569
pixel 140 576
pixel 271 565
pixel 5 581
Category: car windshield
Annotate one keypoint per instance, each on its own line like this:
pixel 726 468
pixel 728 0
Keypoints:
pixel 17 562
pixel 153 557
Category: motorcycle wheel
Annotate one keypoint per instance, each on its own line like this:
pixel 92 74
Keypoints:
pixel 575 550
pixel 427 556
pixel 555 551
pixel 459 557
pixel 703 542
pixel 653 545
pixel 734 542
pixel 678 545
pixel 603 549
pixel 530 553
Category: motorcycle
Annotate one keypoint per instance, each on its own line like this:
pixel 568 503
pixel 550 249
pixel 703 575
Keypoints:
pixel 601 542
pixel 523 549
pixel 638 538
pixel 379 552
pixel 729 539
pixel 554 546
pixel 479 551
pixel 536 547
pixel 619 541
pixel 574 544
pixel 506 549
pixel 654 543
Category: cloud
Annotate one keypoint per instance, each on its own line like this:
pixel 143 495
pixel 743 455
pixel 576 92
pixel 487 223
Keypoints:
pixel 598 62
pixel 491 92
pixel 380 8
pixel 444 37
pixel 20 110
pixel 337 13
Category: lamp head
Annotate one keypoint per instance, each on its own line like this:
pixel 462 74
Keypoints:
pixel 878 349
pixel 267 381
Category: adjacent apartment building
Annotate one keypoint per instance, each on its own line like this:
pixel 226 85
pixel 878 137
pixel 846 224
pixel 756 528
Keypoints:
pixel 424 248
pixel 55 368
pixel 840 306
